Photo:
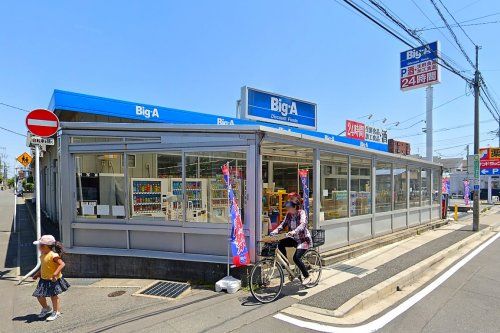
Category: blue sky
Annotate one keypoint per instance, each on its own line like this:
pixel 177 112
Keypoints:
pixel 195 55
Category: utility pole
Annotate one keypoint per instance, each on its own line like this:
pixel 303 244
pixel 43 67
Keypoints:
pixel 477 187
pixel 467 161
pixel 428 121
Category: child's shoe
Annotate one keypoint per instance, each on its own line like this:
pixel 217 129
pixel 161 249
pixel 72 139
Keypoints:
pixel 53 316
pixel 45 312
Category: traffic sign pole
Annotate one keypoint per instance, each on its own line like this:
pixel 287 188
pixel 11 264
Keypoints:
pixel 42 124
pixel 37 210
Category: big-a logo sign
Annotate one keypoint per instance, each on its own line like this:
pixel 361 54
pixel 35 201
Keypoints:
pixel 146 113
pixel 273 108
pixel 283 107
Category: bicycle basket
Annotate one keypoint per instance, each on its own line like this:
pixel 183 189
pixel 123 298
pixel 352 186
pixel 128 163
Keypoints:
pixel 268 249
pixel 318 237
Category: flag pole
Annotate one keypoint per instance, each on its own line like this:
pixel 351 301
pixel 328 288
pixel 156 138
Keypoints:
pixel 228 220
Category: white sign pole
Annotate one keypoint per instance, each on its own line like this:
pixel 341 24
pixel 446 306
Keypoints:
pixel 37 209
pixel 490 199
pixel 15 207
pixel 429 128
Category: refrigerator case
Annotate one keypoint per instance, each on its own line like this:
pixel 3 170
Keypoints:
pixel 196 197
pixel 147 196
pixel 218 198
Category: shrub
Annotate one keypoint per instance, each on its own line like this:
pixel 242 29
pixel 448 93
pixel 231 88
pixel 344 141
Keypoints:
pixel 29 187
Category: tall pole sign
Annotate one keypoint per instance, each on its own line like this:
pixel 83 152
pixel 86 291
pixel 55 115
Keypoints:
pixel 419 67
pixel 42 124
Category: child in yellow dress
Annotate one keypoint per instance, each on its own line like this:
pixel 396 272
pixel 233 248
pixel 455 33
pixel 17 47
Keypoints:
pixel 51 282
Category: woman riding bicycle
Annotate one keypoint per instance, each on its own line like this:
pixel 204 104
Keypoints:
pixel 298 234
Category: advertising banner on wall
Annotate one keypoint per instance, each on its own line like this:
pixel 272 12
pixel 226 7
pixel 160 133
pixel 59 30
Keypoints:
pixel 419 67
pixel 269 107
pixel 360 131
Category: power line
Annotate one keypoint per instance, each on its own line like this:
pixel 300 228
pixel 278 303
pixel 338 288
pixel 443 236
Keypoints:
pixel 14 107
pixel 454 138
pixel 458 146
pixel 448 128
pixel 436 107
pixel 453 17
pixel 13 132
pixel 467 6
pixel 455 25
pixel 432 22
pixel 452 33
pixel 445 64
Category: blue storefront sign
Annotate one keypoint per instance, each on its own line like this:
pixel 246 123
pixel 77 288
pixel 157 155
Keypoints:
pixel 419 67
pixel 70 101
pixel 490 172
pixel 272 108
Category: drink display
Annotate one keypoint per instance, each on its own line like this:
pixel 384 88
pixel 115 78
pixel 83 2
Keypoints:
pixel 146 197
pixel 196 199
pixel 218 197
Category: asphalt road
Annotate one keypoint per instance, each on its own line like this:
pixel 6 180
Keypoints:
pixel 469 301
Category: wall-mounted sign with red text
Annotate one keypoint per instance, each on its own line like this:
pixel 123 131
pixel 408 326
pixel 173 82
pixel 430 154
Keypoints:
pixel 360 131
pixel 355 130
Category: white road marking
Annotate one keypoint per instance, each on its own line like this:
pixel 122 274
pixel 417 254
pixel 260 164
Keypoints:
pixel 40 122
pixel 391 315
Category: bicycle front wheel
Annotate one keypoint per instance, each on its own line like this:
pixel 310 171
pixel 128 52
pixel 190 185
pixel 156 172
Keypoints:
pixel 312 261
pixel 266 280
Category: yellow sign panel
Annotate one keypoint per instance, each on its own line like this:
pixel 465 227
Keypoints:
pixel 494 153
pixel 25 159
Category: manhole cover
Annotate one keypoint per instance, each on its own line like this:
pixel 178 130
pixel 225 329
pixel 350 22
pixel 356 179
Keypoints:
pixel 350 269
pixel 167 289
pixel 116 293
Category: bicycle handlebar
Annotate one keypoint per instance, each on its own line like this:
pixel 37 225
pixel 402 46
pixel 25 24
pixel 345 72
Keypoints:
pixel 273 238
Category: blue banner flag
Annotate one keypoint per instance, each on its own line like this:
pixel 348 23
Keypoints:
pixel 304 180
pixel 239 248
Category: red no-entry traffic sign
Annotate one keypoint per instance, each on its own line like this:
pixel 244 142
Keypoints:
pixel 42 123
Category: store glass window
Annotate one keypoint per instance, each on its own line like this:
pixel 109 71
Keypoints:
pixel 383 190
pixel 360 194
pixel 436 186
pixel 400 189
pixel 206 193
pixel 282 166
pixel 425 176
pixel 155 181
pixel 100 186
pixel 334 197
pixel 415 187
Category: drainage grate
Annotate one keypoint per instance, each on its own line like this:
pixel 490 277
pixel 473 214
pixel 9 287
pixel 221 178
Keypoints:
pixel 350 269
pixel 166 289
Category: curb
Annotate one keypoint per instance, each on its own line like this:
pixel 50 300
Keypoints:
pixel 404 278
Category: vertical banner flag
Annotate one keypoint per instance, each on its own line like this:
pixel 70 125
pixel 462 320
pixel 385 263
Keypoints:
pixel 237 241
pixel 466 192
pixel 304 180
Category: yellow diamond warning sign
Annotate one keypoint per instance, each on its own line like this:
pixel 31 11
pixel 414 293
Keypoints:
pixel 25 159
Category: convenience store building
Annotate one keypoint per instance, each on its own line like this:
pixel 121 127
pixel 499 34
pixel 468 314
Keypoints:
pixel 137 189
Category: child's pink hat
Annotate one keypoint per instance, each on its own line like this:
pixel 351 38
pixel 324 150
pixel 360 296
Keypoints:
pixel 46 240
